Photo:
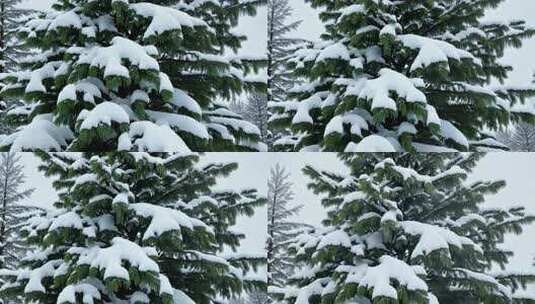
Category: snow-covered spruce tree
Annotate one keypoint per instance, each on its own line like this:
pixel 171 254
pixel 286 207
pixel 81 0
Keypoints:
pixel 280 47
pixel 281 229
pixel 521 138
pixel 137 228
pixel 129 75
pixel 404 75
pixel 406 228
pixel 12 214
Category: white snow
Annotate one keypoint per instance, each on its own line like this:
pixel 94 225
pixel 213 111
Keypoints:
pixel 164 19
pixel 433 238
pixel 89 293
pixel 336 124
pixel 66 20
pixel 104 113
pixel 110 259
pixel 432 51
pixel 182 298
pixel 381 278
pixel 111 58
pixel 182 100
pixel 449 131
pixel 304 107
pixel 36 276
pixel 41 133
pixel 164 220
pixel 378 90
pixel 369 144
pixel 352 9
pixel 334 51
pixel 335 238
pixel 67 220
pixel 149 137
pixel 180 122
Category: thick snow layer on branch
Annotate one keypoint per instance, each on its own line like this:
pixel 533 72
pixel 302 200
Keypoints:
pixel 304 107
pixel 67 220
pixel 336 125
pixel 87 88
pixel 449 131
pixel 164 18
pixel 369 144
pixel 379 90
pixel 164 220
pixel 41 134
pixel 181 297
pixel 180 122
pixel 37 275
pixel 335 51
pixel 434 238
pixel 149 137
pixel 380 278
pixel 407 173
pixel 68 19
pixel 335 238
pixel 432 51
pixel 110 260
pixel 89 293
pixel 104 113
pixel 182 100
pixel 111 58
pixel 37 76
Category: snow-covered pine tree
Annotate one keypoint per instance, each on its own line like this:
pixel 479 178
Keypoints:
pixel 280 47
pixel 12 214
pixel 404 75
pixel 129 75
pixel 407 228
pixel 255 110
pixel 137 228
pixel 281 229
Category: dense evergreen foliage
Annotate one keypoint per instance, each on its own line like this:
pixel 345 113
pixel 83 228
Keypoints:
pixel 137 228
pixel 404 76
pixel 404 228
pixel 134 76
